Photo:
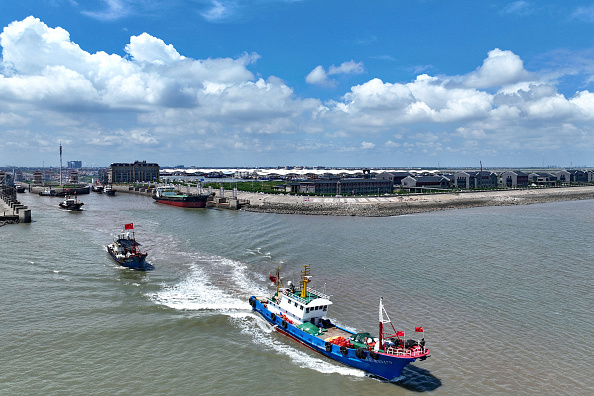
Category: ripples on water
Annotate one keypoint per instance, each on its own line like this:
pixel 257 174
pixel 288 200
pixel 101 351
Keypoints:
pixel 504 295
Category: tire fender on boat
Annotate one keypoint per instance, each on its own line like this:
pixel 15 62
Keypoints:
pixel 360 353
pixel 344 350
pixel 284 324
pixel 328 347
pixel 374 355
pixel 252 302
pixel 273 317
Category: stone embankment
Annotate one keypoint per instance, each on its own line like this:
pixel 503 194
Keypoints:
pixel 11 210
pixel 407 204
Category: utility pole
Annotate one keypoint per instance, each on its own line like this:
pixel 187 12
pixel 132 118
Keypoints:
pixel 60 163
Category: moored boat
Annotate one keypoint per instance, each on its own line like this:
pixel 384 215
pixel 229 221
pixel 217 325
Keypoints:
pixel 171 196
pixel 300 314
pixel 126 252
pixel 71 203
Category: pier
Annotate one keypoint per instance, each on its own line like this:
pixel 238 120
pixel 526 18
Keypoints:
pixel 11 210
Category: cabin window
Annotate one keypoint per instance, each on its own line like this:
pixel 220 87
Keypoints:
pixel 306 310
pixel 295 304
pixel 325 307
pixel 301 306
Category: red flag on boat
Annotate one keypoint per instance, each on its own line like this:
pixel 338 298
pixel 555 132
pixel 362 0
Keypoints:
pixel 419 329
pixel 273 279
pixel 400 334
pixel 129 226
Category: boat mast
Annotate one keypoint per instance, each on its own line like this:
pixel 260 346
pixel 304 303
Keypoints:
pixel 305 279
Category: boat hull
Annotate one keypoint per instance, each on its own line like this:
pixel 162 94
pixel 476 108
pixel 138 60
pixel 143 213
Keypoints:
pixel 138 263
pixel 189 201
pixel 388 367
pixel 73 207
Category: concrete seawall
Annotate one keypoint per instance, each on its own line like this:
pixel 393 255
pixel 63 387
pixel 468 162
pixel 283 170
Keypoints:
pixel 11 210
pixel 407 204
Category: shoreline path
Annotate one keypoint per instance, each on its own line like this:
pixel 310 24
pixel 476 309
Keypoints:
pixel 407 204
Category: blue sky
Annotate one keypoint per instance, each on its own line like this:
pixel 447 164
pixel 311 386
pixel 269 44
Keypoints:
pixel 241 83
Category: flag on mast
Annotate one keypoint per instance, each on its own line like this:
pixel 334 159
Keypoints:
pixel 129 226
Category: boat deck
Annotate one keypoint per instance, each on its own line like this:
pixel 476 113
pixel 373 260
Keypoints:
pixel 334 332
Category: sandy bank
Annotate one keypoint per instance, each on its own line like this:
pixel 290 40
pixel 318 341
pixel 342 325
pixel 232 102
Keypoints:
pixel 413 203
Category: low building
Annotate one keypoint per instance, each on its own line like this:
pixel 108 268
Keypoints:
pixel 430 182
pixel 514 179
pixel 336 186
pixel 132 173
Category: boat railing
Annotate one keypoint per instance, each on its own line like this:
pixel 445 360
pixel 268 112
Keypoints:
pixel 413 353
pixel 308 299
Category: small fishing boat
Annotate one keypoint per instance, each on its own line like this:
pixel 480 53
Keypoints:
pixel 109 190
pixel 48 192
pixel 300 314
pixel 126 252
pixel 71 203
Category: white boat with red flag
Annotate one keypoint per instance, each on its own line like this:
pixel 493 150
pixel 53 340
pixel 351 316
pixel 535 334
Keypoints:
pixel 300 313
pixel 126 251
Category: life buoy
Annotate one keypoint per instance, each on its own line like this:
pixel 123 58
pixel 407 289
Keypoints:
pixel 328 347
pixel 360 353
pixel 273 317
pixel 344 350
pixel 284 324
pixel 374 355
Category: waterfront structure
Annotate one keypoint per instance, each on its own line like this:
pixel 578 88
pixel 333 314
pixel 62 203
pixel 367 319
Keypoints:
pixel 395 177
pixel 73 177
pixel 514 179
pixel 543 178
pixel 441 182
pixel 135 172
pixel 336 186
pixel 476 179
pixel 37 178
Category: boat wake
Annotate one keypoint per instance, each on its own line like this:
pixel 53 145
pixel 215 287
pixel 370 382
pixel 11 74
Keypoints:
pixel 197 292
pixel 263 334
pixel 224 285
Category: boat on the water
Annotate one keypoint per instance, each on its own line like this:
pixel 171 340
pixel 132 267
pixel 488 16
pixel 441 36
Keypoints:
pixel 126 252
pixel 300 314
pixel 171 196
pixel 71 203
pixel 109 190
pixel 19 188
pixel 48 192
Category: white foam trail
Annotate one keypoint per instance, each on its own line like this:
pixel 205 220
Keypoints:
pixel 251 324
pixel 197 293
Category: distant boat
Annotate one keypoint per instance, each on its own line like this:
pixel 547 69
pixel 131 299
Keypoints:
pixel 109 190
pixel 126 252
pixel 48 192
pixel 71 203
pixel 300 314
pixel 171 196
pixel 19 188
pixel 97 189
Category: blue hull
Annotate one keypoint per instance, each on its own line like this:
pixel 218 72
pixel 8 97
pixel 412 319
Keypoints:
pixel 388 367
pixel 135 263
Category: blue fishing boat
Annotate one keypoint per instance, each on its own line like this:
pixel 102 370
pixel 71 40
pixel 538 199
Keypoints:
pixel 126 252
pixel 300 313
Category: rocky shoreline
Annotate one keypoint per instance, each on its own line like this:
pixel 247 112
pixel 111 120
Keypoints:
pixel 414 203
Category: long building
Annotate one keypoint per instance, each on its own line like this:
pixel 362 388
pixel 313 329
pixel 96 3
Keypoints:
pixel 136 172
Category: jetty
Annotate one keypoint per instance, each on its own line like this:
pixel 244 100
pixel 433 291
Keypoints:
pixel 11 210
